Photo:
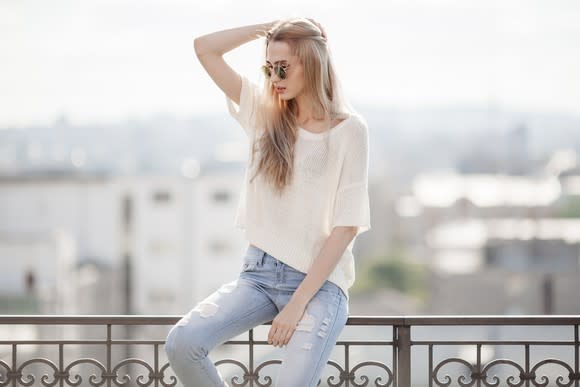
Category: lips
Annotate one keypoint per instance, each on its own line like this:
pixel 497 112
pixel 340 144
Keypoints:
pixel 280 89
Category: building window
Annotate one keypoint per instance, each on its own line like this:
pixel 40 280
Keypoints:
pixel 221 196
pixel 219 246
pixel 161 197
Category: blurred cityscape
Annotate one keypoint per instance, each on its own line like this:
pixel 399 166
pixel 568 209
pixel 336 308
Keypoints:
pixel 473 212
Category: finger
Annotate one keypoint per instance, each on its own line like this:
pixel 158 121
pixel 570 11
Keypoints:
pixel 271 334
pixel 281 337
pixel 322 30
pixel 288 337
pixel 284 339
pixel 317 24
pixel 277 339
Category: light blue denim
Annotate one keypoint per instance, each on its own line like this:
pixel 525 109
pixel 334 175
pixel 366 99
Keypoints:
pixel 262 289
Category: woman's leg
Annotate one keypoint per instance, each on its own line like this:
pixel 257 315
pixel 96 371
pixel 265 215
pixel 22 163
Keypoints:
pixel 231 310
pixel 311 344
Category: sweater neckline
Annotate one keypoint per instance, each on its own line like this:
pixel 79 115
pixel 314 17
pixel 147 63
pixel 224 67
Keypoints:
pixel 319 135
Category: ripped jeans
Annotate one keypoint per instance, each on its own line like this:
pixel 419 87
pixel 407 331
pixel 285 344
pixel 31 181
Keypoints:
pixel 263 288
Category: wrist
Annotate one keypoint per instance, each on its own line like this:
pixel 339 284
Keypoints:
pixel 267 27
pixel 300 299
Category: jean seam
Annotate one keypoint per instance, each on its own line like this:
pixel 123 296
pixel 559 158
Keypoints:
pixel 327 339
pixel 255 264
pixel 205 370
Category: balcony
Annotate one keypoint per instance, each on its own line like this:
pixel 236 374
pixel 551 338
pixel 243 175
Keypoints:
pixel 398 352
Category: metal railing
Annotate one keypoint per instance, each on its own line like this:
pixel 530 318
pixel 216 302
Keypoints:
pixel 395 368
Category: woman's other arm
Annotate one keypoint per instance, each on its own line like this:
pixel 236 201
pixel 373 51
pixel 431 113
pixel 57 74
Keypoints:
pixel 284 324
pixel 211 47
pixel 324 264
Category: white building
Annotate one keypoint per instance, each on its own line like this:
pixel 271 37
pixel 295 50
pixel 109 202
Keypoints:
pixel 505 266
pixel 145 245
pixel 177 233
pixel 525 245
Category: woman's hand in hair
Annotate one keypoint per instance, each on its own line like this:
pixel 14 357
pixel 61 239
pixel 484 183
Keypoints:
pixel 269 26
pixel 317 24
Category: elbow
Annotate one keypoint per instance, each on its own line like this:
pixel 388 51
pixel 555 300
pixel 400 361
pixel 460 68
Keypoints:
pixel 197 46
pixel 353 230
pixel 348 230
pixel 200 46
pixel 206 45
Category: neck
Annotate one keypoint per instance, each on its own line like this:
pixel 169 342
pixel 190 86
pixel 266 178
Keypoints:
pixel 305 111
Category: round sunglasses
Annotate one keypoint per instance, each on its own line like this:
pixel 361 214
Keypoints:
pixel 280 70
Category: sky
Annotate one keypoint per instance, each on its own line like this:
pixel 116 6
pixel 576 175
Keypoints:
pixel 111 60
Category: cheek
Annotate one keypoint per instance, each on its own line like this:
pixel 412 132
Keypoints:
pixel 297 85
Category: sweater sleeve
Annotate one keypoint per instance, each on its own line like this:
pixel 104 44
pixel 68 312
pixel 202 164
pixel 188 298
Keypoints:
pixel 245 113
pixel 351 206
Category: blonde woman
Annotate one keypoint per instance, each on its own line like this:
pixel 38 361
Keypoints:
pixel 304 200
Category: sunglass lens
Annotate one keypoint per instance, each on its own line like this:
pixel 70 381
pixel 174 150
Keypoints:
pixel 278 69
pixel 266 71
pixel 281 72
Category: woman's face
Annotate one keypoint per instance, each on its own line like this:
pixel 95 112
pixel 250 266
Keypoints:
pixel 279 53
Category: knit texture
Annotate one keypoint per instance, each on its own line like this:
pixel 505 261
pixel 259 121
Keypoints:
pixel 329 188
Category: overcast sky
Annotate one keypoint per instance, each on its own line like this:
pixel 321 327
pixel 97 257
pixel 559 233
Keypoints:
pixel 109 60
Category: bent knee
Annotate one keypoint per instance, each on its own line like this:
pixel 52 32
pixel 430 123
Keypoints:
pixel 183 342
pixel 169 346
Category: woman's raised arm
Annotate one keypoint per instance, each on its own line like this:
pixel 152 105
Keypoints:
pixel 210 48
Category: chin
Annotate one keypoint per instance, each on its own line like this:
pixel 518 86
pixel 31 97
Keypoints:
pixel 286 96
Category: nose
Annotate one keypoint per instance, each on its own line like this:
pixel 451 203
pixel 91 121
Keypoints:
pixel 274 76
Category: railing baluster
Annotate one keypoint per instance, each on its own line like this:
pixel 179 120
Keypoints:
pixel 14 354
pixel 61 364
pixel 430 365
pixel 251 348
pixel 395 356
pixel 156 363
pixel 527 355
pixel 479 365
pixel 109 366
pixel 577 354
pixel 404 357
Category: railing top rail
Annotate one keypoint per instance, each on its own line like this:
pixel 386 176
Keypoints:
pixel 353 320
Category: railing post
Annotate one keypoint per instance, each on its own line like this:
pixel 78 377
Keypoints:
pixel 403 356
pixel 251 349
pixel 577 353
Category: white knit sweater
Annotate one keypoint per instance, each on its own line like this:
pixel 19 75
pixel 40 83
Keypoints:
pixel 329 188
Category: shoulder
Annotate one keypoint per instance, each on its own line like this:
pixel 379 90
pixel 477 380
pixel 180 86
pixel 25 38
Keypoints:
pixel 360 121
pixel 356 126
pixel 352 137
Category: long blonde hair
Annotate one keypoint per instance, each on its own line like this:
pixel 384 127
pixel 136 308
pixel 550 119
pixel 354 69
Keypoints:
pixel 278 118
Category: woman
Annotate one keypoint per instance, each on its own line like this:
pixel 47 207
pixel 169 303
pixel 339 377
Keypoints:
pixel 304 201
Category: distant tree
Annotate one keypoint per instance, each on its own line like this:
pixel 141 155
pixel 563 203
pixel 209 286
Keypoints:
pixel 392 270
pixel 570 208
